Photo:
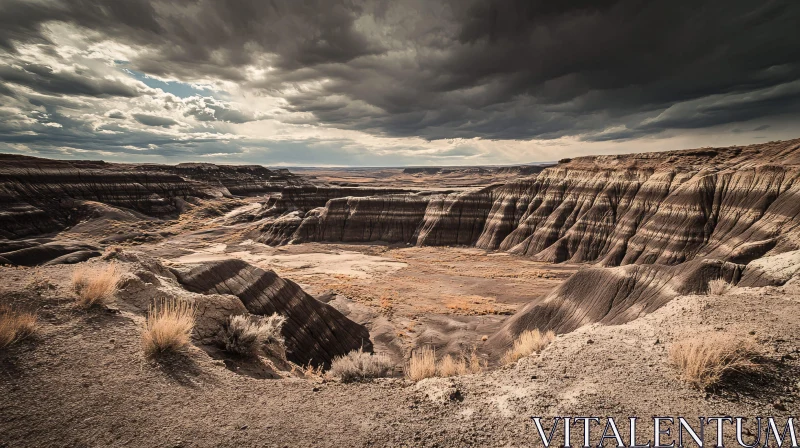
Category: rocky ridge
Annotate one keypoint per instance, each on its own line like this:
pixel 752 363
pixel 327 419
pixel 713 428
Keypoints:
pixel 685 216
pixel 39 195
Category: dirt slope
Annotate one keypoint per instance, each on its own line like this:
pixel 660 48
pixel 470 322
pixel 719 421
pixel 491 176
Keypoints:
pixel 83 382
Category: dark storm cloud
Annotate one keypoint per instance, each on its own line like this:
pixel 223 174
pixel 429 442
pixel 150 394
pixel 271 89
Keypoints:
pixel 541 69
pixel 211 35
pixel 504 69
pixel 45 79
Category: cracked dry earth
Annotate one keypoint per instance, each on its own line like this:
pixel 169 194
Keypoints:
pixel 83 382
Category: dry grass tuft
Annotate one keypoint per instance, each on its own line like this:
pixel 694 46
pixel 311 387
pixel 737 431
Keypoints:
pixel 475 305
pixel 15 326
pixel 422 364
pixel 168 327
pixel 475 364
pixel 248 336
pixel 528 342
pixel 450 367
pixel 718 287
pixel 462 365
pixel 705 359
pixel 313 373
pixel 359 365
pixel 95 286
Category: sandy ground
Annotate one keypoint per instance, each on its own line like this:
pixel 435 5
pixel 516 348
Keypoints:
pixel 82 381
pixel 406 296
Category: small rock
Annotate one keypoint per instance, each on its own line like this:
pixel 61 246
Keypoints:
pixel 590 341
pixel 779 406
pixel 243 427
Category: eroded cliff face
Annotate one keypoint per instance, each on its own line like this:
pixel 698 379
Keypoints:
pixel 37 195
pixel 307 197
pixel 664 216
pixel 40 195
pixel 655 225
pixel 240 180
pixel 663 208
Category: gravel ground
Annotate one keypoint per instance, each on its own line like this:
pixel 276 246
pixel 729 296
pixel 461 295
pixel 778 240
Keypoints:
pixel 83 382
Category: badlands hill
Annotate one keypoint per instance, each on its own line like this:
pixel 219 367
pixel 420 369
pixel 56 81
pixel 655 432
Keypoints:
pixel 612 253
pixel 687 217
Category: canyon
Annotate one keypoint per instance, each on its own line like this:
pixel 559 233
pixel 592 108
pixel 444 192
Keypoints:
pixel 613 253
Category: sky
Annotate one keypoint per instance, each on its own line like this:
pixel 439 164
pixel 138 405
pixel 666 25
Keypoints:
pixel 393 82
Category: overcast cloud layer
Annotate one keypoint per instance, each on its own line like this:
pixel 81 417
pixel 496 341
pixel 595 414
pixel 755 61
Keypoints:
pixel 403 82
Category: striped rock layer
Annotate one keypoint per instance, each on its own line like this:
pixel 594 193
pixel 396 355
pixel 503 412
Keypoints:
pixel 36 195
pixel 314 331
pixel 655 225
pixel 39 195
pixel 662 208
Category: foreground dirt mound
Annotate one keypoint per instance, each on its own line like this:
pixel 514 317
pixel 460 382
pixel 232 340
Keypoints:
pixel 314 332
pixel 81 381
pixel 612 296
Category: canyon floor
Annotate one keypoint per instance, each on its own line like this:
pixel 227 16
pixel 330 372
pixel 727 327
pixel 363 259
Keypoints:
pixel 614 253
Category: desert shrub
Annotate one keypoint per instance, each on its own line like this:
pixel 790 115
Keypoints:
pixel 451 367
pixel 706 359
pixel 168 327
pixel 475 364
pixel 422 364
pixel 15 326
pixel 718 287
pixel 460 365
pixel 248 336
pixel 530 341
pixel 95 286
pixel 358 365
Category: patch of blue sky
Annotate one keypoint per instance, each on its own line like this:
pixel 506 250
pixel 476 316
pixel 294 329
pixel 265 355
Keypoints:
pixel 177 88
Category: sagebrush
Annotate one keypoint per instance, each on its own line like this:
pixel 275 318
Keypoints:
pixel 248 336
pixel 718 287
pixel 359 365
